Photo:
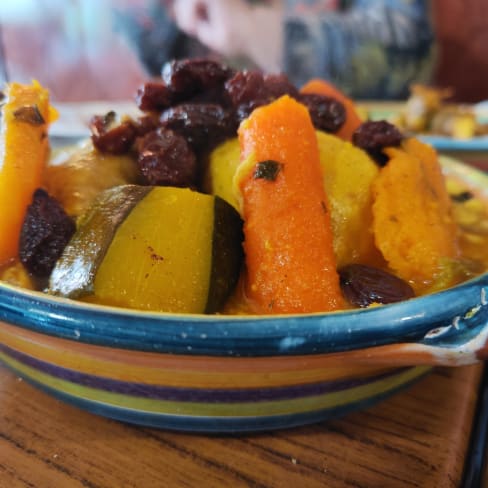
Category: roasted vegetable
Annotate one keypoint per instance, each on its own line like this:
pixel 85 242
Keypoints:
pixel 222 164
pixel 290 260
pixel 155 248
pixel 75 176
pixel 413 225
pixel 24 148
pixel 348 174
pixel 353 120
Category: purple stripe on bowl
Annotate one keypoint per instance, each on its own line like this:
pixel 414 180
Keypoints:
pixel 207 395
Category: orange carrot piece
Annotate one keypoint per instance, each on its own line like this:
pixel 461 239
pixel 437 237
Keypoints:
pixel 290 260
pixel 24 150
pixel 413 226
pixel 428 155
pixel 353 120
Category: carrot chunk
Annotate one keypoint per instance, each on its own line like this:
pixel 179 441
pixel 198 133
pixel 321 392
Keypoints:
pixel 24 150
pixel 413 225
pixel 322 87
pixel 290 260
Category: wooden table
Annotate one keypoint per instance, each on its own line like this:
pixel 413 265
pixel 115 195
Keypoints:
pixel 417 438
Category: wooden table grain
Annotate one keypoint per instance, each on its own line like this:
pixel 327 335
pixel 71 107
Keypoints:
pixel 417 438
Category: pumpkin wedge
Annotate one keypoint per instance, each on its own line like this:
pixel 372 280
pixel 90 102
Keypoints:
pixel 153 248
pixel 24 148
pixel 412 218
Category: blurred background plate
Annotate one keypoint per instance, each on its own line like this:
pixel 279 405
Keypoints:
pixel 443 143
pixel 378 110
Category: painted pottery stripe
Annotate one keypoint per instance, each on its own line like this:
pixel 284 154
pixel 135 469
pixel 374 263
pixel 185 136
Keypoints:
pixel 216 424
pixel 190 371
pixel 296 405
pixel 164 392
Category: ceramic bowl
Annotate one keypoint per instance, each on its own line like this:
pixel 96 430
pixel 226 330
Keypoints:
pixel 229 374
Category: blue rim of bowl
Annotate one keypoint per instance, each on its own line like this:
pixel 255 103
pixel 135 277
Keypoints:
pixel 271 335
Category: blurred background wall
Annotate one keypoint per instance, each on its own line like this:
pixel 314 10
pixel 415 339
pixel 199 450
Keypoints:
pixel 462 37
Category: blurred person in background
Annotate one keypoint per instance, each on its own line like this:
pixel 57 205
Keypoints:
pixel 104 49
pixel 369 48
pixel 70 46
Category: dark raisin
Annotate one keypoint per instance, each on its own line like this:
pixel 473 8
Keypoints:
pixel 462 197
pixel 154 97
pixel 247 90
pixel 374 136
pixel 29 114
pixel 45 232
pixel 245 87
pixel 166 159
pixel 145 124
pixel 109 135
pixel 267 170
pixel 187 77
pixel 202 125
pixel 278 85
pixel 327 113
pixel 363 285
pixel 214 95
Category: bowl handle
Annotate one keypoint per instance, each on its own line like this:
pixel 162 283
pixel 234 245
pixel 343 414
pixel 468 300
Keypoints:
pixel 462 341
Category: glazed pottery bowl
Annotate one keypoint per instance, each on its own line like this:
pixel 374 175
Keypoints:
pixel 239 373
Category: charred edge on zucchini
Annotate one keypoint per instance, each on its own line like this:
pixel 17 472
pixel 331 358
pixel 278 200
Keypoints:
pixel 226 264
pixel 100 228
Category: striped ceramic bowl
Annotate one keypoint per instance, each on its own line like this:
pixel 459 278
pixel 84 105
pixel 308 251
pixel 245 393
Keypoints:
pixel 228 374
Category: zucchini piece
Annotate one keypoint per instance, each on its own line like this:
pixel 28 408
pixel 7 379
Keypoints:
pixel 153 248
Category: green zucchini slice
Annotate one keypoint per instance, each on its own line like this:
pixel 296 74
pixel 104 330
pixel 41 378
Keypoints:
pixel 153 248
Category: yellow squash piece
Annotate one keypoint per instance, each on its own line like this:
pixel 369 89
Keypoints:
pixel 24 148
pixel 222 165
pixel 348 174
pixel 153 248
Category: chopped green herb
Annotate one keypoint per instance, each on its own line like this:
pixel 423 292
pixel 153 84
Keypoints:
pixel 267 170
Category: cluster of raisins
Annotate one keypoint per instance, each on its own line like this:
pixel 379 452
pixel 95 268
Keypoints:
pixel 195 105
